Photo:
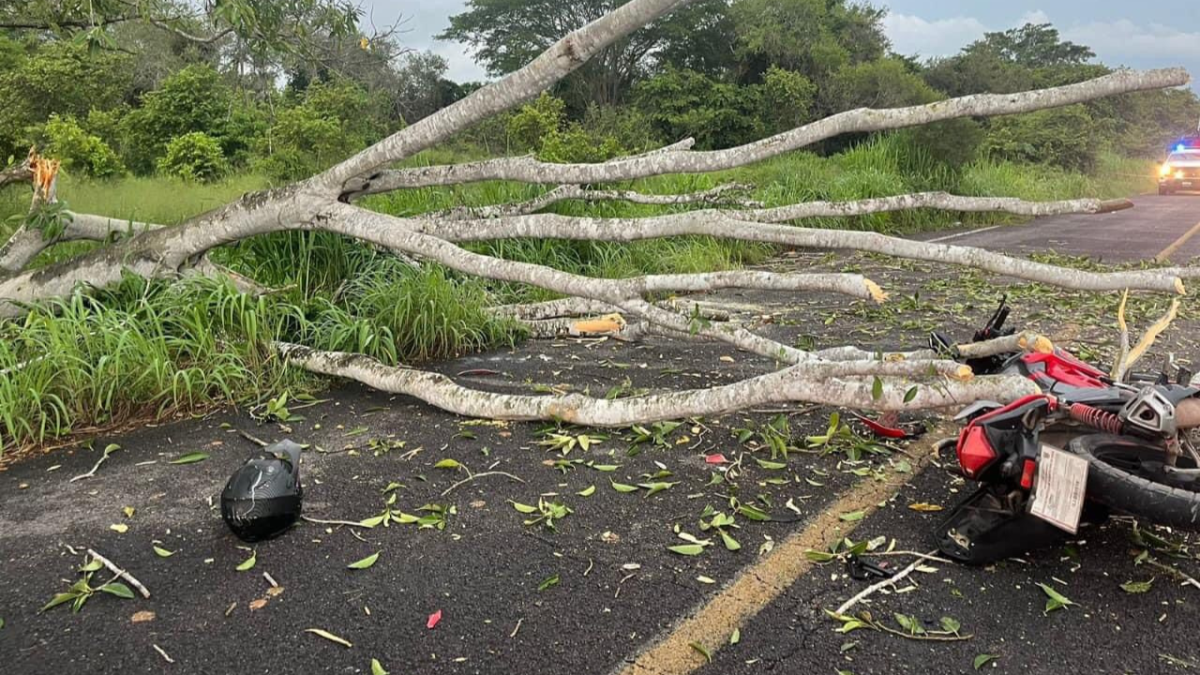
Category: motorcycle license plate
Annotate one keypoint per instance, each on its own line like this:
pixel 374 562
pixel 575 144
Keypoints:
pixel 1060 487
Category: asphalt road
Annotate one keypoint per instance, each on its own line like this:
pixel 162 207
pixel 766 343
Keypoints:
pixel 593 595
pixel 1141 233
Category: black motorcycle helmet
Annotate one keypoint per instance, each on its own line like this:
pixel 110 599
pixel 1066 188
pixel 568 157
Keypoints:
pixel 262 498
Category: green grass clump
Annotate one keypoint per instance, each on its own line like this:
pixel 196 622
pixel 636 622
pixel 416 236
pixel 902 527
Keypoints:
pixel 140 350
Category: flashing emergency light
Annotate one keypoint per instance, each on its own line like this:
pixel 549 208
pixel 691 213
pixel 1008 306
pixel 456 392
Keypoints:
pixel 1186 143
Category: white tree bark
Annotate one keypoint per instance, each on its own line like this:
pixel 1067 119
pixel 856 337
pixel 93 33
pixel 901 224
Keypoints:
pixel 560 60
pixel 720 195
pixel 528 170
pixel 727 225
pixel 847 384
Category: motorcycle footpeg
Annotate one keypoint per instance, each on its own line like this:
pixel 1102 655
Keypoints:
pixel 861 570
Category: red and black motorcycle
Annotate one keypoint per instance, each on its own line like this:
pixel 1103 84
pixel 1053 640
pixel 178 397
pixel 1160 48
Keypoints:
pixel 1139 460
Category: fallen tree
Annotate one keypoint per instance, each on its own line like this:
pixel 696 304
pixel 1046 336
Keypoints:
pixel 845 376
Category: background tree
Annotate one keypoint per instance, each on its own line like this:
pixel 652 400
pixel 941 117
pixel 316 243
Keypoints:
pixel 506 34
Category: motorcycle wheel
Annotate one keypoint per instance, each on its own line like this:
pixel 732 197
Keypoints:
pixel 1131 476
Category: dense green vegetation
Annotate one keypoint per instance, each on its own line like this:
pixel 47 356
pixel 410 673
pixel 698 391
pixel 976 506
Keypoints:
pixel 155 127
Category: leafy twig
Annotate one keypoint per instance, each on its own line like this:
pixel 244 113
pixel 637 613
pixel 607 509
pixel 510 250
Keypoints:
pixel 347 523
pixel 119 572
pixel 110 449
pixel 480 475
pixel 890 581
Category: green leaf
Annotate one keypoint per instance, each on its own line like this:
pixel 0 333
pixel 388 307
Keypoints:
pixel 983 659
pixel 877 389
pixel 607 468
pixel 910 394
pixel 753 513
pixel 59 599
pixel 621 487
pixel 447 464
pixel 852 516
pixel 950 625
pixel 735 637
pixel 818 556
pixel 769 465
pixel 909 623
pixel 162 552
pixel 373 522
pixel 652 488
pixel 523 508
pixel 587 491
pixel 118 589
pixel 686 549
pixel 700 648
pixel 364 563
pixel 190 458
pixel 1055 600
pixel 549 582
pixel 730 543
pixel 249 562
pixel 377 668
pixel 1132 587
pixel 92 566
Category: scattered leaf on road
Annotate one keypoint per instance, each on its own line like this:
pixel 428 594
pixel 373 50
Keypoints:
pixel 162 552
pixel 1055 599
pixel 686 549
pixel 984 659
pixel 621 487
pixel 1136 586
pixel 190 458
pixel 587 491
pixel 328 636
pixel 119 527
pixel 142 617
pixel 924 507
pixel 447 464
pixel 249 563
pixel 364 563
pixel 549 582
pixel 700 648
pixel 852 516
pixel 118 589
pixel 377 668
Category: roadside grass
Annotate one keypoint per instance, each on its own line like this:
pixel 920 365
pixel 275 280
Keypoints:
pixel 148 350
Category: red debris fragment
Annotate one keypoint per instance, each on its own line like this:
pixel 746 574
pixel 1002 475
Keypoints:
pixel 882 430
pixel 717 458
pixel 434 619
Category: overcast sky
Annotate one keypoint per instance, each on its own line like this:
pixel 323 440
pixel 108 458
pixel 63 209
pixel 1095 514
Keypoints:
pixel 1138 34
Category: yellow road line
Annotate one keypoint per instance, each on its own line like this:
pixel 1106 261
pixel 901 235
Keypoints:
pixel 1170 250
pixel 711 624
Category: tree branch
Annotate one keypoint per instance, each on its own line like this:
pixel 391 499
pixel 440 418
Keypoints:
pixel 854 121
pixel 838 384
pixel 715 196
pixel 19 173
pixel 730 226
pixel 560 60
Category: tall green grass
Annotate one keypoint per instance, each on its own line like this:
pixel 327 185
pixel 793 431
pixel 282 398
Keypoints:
pixel 142 349
pixel 152 349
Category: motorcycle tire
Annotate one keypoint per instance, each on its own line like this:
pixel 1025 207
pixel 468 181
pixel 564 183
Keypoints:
pixel 1129 476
